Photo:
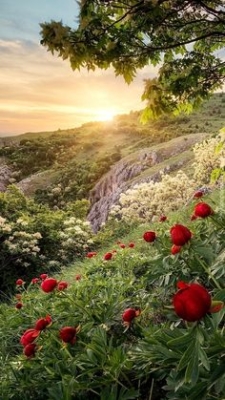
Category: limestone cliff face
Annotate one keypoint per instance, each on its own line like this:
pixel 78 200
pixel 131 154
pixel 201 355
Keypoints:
pixel 5 174
pixel 129 171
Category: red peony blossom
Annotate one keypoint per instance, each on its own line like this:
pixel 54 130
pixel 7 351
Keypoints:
pixel 62 285
pixel 180 235
pixel 48 285
pixel 175 249
pixel 129 314
pixel 198 194
pixel 192 302
pixel 29 336
pixel 34 280
pixel 78 277
pixel 203 210
pixel 68 334
pixel 43 276
pixel 162 218
pixel 131 245
pixel 20 282
pixel 149 236
pixel 42 323
pixel 30 350
pixel 19 305
pixel 91 254
pixel 108 256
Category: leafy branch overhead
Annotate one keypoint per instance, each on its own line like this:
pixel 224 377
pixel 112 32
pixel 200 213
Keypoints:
pixel 185 39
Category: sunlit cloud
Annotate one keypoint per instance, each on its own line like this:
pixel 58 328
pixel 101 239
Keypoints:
pixel 41 92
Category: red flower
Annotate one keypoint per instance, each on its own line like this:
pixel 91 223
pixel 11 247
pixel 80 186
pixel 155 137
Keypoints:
pixel 34 280
pixel 43 276
pixel 62 285
pixel 129 314
pixel 122 246
pixel 29 336
pixel 131 245
pixel 78 277
pixel 180 234
pixel 192 302
pixel 42 323
pixel 19 282
pixel 108 256
pixel 198 194
pixel 19 305
pixel 68 334
pixel 49 284
pixel 162 218
pixel 203 210
pixel 149 236
pixel 193 217
pixel 175 249
pixel 91 254
pixel 30 350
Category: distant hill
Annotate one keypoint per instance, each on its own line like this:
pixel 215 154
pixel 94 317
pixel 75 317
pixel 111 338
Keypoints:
pixel 63 166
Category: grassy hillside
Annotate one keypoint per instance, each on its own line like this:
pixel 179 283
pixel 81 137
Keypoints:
pixel 77 158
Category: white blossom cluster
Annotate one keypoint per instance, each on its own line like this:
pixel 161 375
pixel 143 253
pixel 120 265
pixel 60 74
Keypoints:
pixel 147 200
pixel 209 155
pixel 76 237
pixel 18 243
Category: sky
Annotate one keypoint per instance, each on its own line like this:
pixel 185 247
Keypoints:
pixel 39 91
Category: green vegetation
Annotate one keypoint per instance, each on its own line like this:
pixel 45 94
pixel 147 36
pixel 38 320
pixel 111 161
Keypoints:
pixel 67 164
pixel 184 39
pixel 135 311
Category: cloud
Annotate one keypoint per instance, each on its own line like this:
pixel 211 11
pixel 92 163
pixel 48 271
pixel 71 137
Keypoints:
pixel 40 91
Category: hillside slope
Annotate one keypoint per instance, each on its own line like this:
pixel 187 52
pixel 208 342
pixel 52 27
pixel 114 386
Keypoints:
pixel 99 160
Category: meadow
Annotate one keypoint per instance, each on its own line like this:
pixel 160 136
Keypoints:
pixel 134 311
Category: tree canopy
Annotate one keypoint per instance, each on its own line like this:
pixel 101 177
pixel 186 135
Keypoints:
pixel 184 38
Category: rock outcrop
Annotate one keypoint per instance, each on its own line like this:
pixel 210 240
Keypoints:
pixel 129 171
pixel 5 175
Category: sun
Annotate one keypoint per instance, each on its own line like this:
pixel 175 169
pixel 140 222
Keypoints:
pixel 105 115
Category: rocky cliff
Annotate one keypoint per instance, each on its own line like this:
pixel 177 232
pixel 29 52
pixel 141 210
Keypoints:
pixel 142 166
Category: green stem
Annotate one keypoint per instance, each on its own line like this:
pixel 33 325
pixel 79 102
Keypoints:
pixel 206 269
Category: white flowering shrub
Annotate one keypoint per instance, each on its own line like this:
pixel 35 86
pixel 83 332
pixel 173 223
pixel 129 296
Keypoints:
pixel 146 200
pixel 209 156
pixel 75 238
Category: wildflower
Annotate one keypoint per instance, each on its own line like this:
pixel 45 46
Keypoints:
pixel 68 334
pixel 91 254
pixel 192 301
pixel 131 245
pixel 62 285
pixel 43 276
pixel 78 277
pixel 122 245
pixel 34 280
pixel 193 217
pixel 180 234
pixel 198 194
pixel 19 305
pixel 149 236
pixel 42 323
pixel 162 218
pixel 129 314
pixel 49 284
pixel 203 210
pixel 30 350
pixel 175 249
pixel 108 256
pixel 29 336
pixel 20 282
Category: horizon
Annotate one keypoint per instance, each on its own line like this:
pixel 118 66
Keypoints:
pixel 40 92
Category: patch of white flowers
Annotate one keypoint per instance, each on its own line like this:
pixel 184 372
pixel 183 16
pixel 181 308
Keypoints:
pixel 76 236
pixel 146 200
pixel 209 155
pixel 153 199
